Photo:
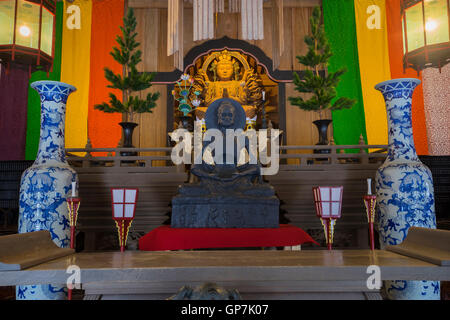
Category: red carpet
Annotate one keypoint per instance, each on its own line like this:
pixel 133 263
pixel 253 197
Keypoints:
pixel 167 238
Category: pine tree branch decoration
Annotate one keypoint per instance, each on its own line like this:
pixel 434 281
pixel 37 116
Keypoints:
pixel 322 87
pixel 131 81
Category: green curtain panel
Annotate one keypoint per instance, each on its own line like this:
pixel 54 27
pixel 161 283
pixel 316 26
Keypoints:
pixel 339 21
pixel 34 102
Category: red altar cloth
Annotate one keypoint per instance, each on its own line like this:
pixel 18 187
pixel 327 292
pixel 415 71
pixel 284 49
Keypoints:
pixel 167 238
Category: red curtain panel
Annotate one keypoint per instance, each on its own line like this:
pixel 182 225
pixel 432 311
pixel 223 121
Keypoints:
pixel 13 112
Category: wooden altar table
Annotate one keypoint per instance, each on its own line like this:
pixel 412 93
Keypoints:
pixel 257 274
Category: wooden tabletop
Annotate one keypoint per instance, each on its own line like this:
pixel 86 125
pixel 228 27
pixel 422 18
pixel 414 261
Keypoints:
pixel 235 265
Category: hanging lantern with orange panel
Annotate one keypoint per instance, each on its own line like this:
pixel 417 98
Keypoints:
pixel 27 33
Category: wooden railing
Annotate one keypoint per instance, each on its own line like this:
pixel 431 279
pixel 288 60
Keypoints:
pixel 114 161
pixel 336 155
pixel 290 156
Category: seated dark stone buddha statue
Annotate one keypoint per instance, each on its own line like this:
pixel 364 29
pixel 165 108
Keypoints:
pixel 228 193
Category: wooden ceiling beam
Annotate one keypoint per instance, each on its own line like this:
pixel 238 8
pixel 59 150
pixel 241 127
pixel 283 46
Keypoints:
pixel 163 4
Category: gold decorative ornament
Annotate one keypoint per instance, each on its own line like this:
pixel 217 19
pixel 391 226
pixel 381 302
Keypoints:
pixel 230 76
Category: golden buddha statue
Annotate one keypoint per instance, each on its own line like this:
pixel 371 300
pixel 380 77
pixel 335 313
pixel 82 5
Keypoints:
pixel 230 80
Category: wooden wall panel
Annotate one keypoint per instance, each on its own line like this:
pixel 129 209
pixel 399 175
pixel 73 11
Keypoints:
pixel 148 34
pixel 300 28
pixel 188 33
pixel 165 63
pixel 151 132
pixel 266 43
pixel 286 57
pixel 299 130
pixel 228 24
pixel 299 127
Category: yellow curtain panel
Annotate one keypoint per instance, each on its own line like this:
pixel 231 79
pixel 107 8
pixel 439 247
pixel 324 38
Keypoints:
pixel 371 30
pixel 75 66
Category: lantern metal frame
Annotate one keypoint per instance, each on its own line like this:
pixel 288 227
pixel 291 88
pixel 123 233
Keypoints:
pixel 123 223
pixel 328 221
pixel 73 205
pixel 124 202
pixel 370 201
pixel 318 200
pixel 30 56
pixel 429 55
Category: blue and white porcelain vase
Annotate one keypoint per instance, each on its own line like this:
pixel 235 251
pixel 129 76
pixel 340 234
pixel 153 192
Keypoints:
pixel 45 185
pixel 404 185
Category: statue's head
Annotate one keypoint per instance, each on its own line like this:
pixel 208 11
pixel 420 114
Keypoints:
pixel 224 66
pixel 225 114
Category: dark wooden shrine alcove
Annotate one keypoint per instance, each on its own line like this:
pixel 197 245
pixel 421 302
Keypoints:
pixel 280 77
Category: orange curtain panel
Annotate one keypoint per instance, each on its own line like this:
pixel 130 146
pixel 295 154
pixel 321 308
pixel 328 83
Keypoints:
pixel 103 128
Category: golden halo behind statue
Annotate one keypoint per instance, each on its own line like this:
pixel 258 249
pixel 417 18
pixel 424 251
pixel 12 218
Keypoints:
pixel 233 54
